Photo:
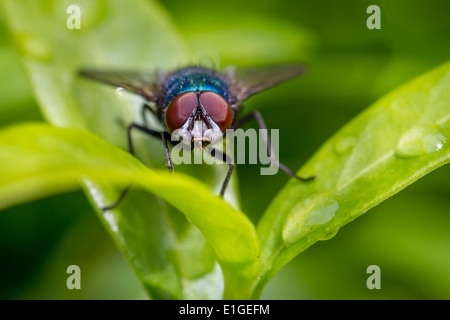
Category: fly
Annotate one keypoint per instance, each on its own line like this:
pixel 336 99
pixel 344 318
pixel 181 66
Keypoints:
pixel 197 102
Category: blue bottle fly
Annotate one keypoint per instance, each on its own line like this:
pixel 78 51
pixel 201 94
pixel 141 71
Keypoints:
pixel 198 101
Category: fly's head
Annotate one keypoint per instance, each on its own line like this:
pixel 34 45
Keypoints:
pixel 198 117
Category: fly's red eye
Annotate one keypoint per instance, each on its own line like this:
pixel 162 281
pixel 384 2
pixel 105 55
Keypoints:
pixel 217 108
pixel 179 110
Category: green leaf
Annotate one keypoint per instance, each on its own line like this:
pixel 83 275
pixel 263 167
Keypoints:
pixel 38 160
pixel 211 248
pixel 137 35
pixel 53 53
pixel 402 137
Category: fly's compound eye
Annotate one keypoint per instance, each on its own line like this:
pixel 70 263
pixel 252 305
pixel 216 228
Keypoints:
pixel 217 108
pixel 179 110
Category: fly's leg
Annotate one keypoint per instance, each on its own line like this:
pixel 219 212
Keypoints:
pixel 146 107
pixel 118 201
pixel 261 124
pixel 224 157
pixel 164 139
pixel 160 135
pixel 163 135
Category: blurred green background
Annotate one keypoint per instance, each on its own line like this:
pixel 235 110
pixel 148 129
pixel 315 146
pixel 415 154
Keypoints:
pixel 350 67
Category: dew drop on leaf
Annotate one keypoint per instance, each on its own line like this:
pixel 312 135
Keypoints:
pixel 344 145
pixel 329 234
pixel 307 216
pixel 419 141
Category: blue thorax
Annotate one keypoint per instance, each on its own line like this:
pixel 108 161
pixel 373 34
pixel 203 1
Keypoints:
pixel 193 79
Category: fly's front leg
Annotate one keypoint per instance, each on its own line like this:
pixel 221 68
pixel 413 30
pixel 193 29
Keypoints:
pixel 156 134
pixel 224 157
pixel 164 136
pixel 164 139
pixel 227 179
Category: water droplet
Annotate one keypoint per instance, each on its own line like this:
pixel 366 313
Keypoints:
pixel 329 234
pixel 120 90
pixel 35 47
pixel 420 141
pixel 344 145
pixel 308 216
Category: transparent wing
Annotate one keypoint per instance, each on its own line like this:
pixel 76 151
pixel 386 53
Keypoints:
pixel 146 84
pixel 245 82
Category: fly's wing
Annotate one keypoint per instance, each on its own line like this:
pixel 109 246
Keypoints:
pixel 245 82
pixel 145 84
